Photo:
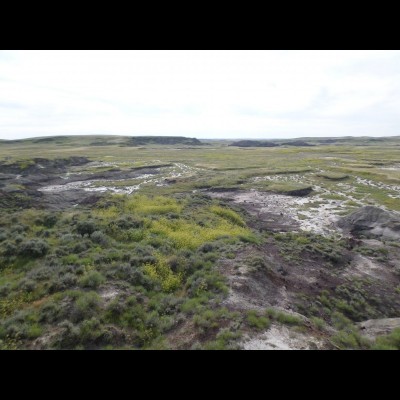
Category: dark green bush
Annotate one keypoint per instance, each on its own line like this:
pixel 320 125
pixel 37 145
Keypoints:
pixel 81 247
pixel 41 273
pixel 86 227
pixel 27 285
pixel 18 239
pixel 115 309
pixel 99 238
pixel 85 307
pixel 92 279
pixel 68 280
pixel 9 249
pixel 3 235
pixel 5 289
pixel 206 248
pixel 68 238
pixel 49 220
pixel 33 248
pixel 51 312
pixel 19 228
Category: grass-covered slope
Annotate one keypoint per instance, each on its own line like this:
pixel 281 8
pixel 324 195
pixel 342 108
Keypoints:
pixel 126 275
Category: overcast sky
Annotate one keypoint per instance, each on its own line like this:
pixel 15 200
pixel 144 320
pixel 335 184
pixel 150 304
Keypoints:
pixel 204 94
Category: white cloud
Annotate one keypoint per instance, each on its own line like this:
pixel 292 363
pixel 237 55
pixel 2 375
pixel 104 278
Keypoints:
pixel 199 93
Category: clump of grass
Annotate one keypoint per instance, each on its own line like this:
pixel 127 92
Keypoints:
pixel 282 317
pixel 288 319
pixel 92 279
pixel 388 342
pixel 350 339
pixel 228 214
pixel 257 321
pixel 333 176
pixel 225 340
pixel 319 323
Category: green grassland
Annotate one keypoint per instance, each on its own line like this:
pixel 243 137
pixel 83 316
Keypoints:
pixel 139 271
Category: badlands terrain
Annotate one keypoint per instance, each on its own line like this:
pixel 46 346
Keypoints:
pixel 111 242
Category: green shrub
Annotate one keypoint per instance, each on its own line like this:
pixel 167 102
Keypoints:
pixel 388 342
pixel 115 310
pixel 351 340
pixel 208 319
pixel 228 214
pixel 27 285
pixel 49 220
pixel 9 249
pixel 41 273
pixel 225 340
pixel 69 238
pixel 318 322
pixel 86 227
pixel 18 239
pixel 51 312
pixel 19 228
pixel 288 319
pixel 99 238
pixel 81 246
pixel 257 321
pixel 162 274
pixel 69 336
pixel 71 259
pixel 68 280
pixel 127 222
pixel 3 235
pixel 90 331
pixel 33 248
pixel 92 279
pixel 5 289
pixel 206 248
pixel 86 306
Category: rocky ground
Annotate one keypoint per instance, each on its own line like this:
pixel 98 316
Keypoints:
pixel 63 183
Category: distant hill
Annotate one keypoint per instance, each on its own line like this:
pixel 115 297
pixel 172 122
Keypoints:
pixel 299 143
pixel 163 140
pixel 107 140
pixel 253 143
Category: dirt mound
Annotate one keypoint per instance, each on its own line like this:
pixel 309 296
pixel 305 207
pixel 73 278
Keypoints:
pixel 372 221
pixel 299 192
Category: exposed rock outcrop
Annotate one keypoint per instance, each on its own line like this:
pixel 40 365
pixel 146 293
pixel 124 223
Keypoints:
pixel 372 222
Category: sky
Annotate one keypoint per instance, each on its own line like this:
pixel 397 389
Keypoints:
pixel 203 94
